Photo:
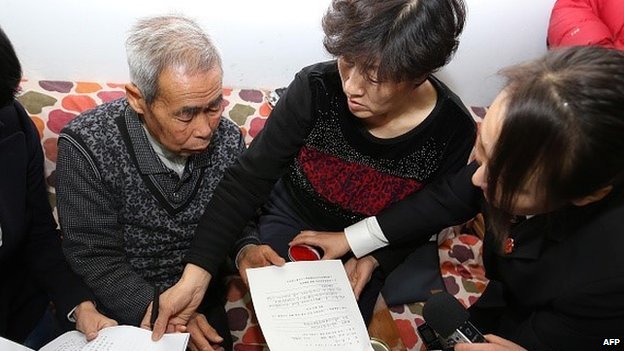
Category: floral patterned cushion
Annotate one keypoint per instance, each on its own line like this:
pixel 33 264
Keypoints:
pixel 464 277
pixel 51 104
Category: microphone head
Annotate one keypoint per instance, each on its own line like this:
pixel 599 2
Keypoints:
pixel 444 313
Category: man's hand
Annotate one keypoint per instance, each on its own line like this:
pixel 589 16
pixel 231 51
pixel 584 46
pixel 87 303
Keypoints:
pixel 203 336
pixel 178 303
pixel 359 272
pixel 495 343
pixel 89 321
pixel 254 256
pixel 333 244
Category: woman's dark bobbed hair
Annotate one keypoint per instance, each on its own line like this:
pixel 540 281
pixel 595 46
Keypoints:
pixel 398 40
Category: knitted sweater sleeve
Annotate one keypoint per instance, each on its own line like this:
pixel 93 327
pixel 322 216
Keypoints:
pixel 94 241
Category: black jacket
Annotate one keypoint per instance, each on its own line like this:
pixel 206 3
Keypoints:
pixel 562 285
pixel 31 259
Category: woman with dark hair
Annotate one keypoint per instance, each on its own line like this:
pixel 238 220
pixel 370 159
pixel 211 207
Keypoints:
pixel 33 268
pixel 550 163
pixel 378 127
pixel 349 137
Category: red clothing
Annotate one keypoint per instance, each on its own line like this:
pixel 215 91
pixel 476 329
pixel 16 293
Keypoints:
pixel 587 22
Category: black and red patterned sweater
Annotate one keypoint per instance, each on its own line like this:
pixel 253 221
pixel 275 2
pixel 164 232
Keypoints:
pixel 335 171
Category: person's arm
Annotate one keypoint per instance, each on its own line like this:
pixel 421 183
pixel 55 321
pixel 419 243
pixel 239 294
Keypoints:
pixel 390 257
pixel 450 201
pixel 246 185
pixel 43 247
pixel 249 252
pixel 94 240
pixel 580 23
pixel 249 237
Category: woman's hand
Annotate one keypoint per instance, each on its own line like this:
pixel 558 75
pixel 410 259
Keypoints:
pixel 254 256
pixel 89 320
pixel 359 272
pixel 333 244
pixel 495 343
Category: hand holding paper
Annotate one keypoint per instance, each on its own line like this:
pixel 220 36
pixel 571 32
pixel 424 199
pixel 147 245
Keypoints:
pixel 307 306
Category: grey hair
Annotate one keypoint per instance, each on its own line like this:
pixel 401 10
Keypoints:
pixel 171 41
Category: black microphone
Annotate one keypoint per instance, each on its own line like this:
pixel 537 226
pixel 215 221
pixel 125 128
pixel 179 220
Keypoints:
pixel 449 319
pixel 429 338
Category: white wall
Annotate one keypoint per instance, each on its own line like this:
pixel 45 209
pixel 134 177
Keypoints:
pixel 498 33
pixel 263 43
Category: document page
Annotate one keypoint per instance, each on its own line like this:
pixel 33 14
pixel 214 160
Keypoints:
pixel 118 338
pixel 8 345
pixel 307 306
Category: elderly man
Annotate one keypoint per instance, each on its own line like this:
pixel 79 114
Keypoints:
pixel 135 174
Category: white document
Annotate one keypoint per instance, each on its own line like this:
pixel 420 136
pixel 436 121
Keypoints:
pixel 307 306
pixel 118 338
pixel 8 345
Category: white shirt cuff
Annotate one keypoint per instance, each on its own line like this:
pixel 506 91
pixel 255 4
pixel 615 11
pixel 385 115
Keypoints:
pixel 365 236
pixel 70 316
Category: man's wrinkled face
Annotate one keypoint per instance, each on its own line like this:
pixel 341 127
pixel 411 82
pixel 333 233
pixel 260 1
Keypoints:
pixel 186 111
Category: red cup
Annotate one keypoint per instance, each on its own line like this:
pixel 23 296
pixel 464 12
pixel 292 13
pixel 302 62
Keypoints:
pixel 303 253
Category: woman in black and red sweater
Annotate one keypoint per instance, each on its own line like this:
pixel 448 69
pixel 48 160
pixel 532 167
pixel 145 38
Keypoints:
pixel 549 171
pixel 348 138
